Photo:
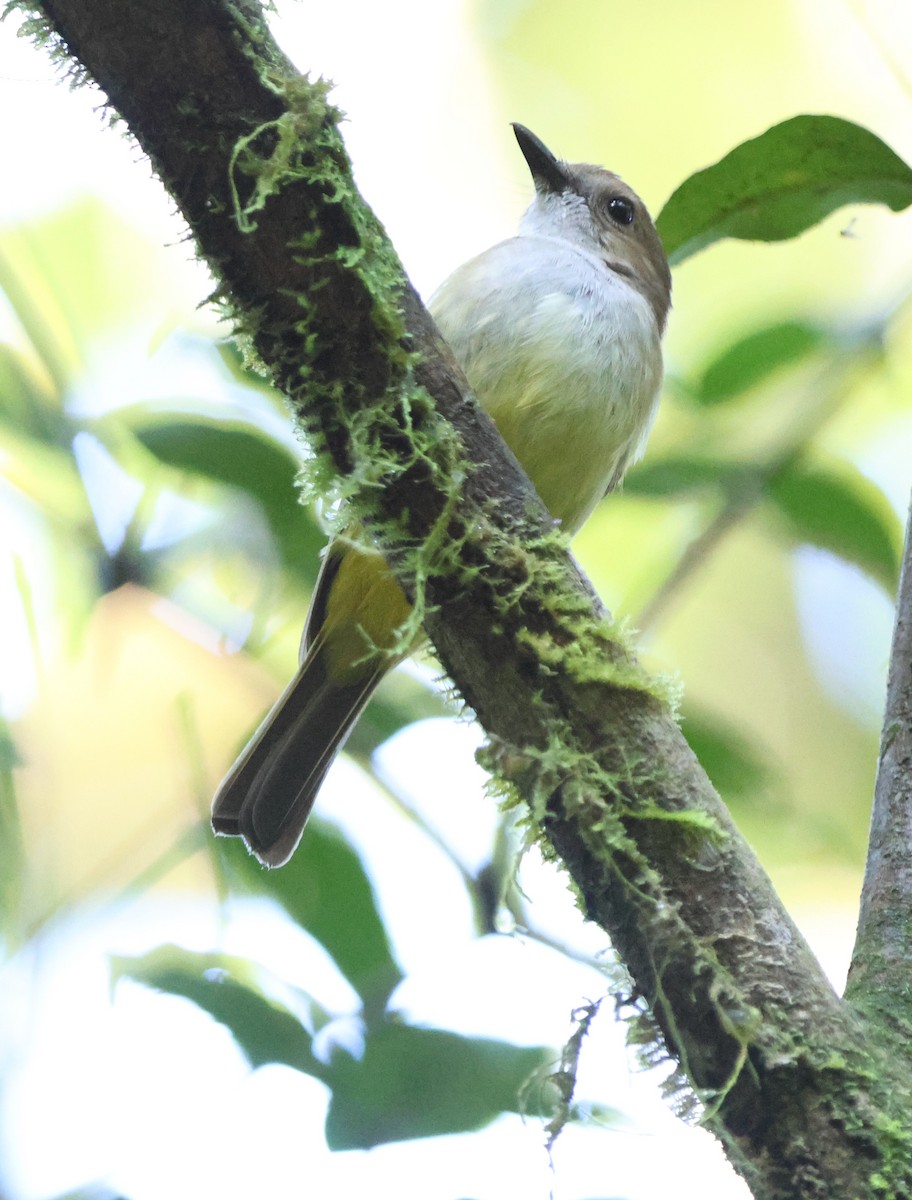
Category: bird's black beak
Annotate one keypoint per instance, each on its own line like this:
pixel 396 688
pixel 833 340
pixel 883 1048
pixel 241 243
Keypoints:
pixel 548 172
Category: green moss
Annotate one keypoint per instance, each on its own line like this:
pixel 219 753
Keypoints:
pixel 303 146
pixel 271 155
pixel 588 649
pixel 38 29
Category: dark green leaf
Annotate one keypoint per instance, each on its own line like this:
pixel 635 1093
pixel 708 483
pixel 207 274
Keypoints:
pixel 28 404
pixel 409 1082
pixel 783 182
pixel 840 510
pixel 241 456
pixel 423 1082
pixel 232 453
pixel 727 757
pixel 263 1030
pixel 325 889
pixel 683 476
pixel 755 357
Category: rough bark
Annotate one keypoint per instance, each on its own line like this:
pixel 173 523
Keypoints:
pixel 790 1076
pixel 882 959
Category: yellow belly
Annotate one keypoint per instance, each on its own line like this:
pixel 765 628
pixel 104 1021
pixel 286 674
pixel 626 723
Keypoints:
pixel 365 609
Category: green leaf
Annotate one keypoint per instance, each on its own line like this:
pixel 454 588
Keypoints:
pixel 414 1083
pixel 75 276
pixel 728 758
pixel 46 474
pixel 12 856
pixel 230 452
pixel 27 400
pixel 840 510
pixel 265 1032
pixel 239 455
pixel 683 475
pixel 409 1082
pixel 783 182
pixel 327 892
pixel 753 358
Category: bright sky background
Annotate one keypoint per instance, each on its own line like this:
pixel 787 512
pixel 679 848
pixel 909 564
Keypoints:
pixel 95 1088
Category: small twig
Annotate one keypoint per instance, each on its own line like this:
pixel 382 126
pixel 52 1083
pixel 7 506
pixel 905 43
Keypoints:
pixel 834 386
pixel 697 552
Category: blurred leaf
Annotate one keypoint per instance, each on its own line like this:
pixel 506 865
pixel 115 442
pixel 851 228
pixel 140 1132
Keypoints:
pixel 65 278
pixel 265 1031
pixel 414 1083
pixel 327 892
pixel 784 181
pixel 840 510
pixel 26 402
pixel 685 475
pixel 234 453
pixel 735 767
pixel 755 357
pixel 240 456
pixel 33 299
pixel 409 1082
pixel 47 475
pixel 12 861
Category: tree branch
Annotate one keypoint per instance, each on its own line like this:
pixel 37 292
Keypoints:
pixel 882 958
pixel 251 153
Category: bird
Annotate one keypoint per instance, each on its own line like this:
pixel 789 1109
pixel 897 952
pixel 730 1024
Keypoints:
pixel 558 331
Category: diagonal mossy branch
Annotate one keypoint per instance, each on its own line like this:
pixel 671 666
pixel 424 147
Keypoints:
pixel 252 155
pixel 882 959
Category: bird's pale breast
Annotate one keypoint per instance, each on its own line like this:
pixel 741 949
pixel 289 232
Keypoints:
pixel 564 354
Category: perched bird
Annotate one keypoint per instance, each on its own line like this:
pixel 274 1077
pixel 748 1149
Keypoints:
pixel 558 331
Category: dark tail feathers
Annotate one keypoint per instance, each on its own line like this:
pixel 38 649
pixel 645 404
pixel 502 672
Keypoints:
pixel 267 795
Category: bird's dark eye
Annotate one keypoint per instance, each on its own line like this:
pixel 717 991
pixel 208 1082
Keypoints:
pixel 620 210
